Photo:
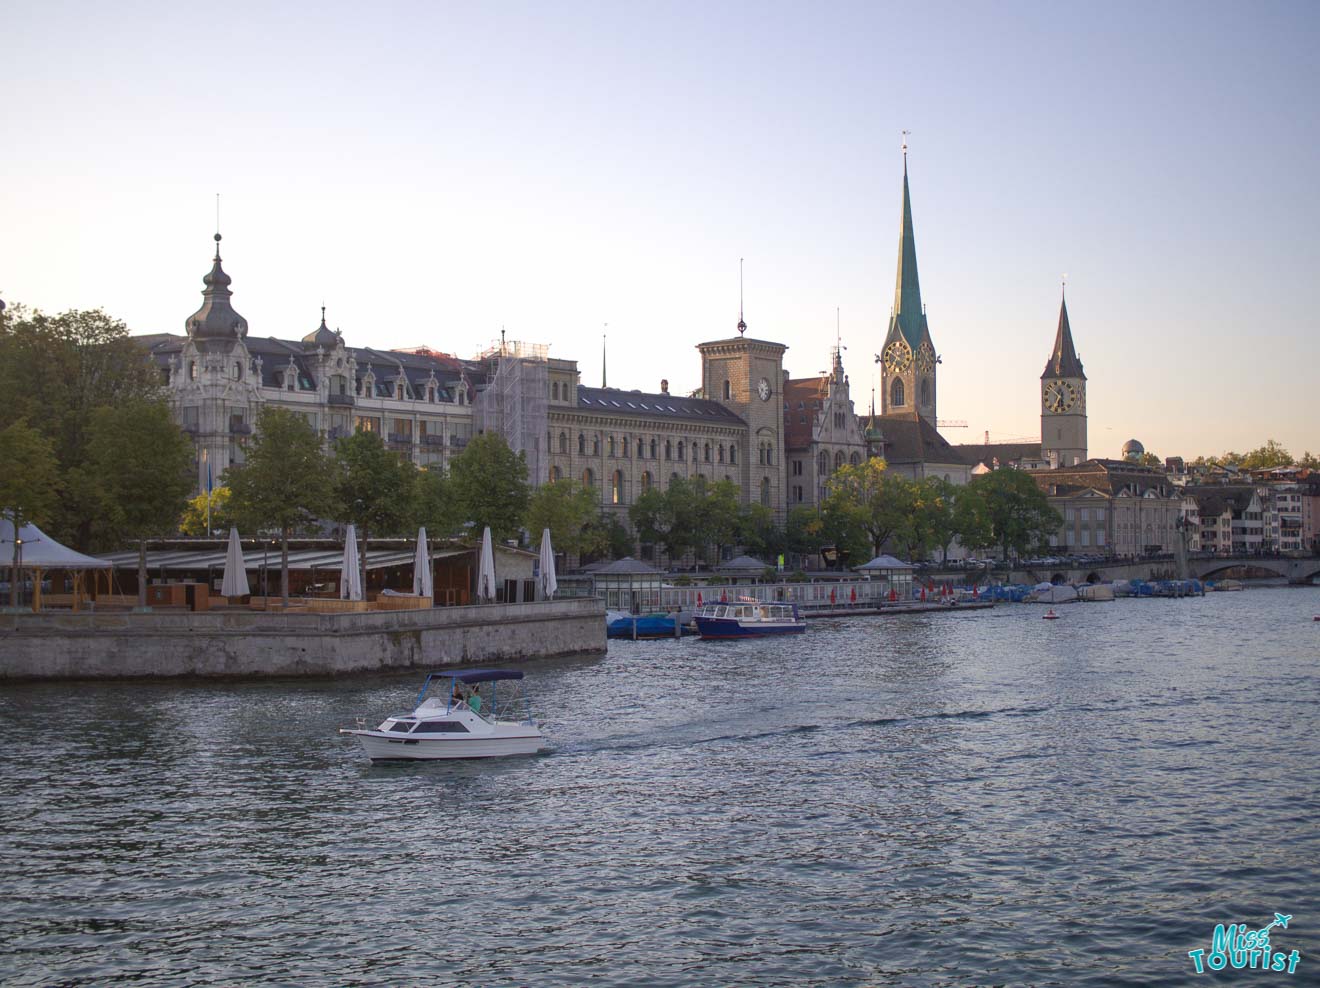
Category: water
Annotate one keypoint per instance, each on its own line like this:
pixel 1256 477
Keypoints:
pixel 976 798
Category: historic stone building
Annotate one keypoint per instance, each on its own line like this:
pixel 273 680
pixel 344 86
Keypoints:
pixel 1113 507
pixel 822 432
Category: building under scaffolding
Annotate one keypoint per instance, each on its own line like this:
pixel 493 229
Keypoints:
pixel 514 401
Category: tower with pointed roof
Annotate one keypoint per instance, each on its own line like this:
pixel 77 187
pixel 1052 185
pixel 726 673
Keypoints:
pixel 1063 399
pixel 908 360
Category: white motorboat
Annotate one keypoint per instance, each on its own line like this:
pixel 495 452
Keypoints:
pixel 484 715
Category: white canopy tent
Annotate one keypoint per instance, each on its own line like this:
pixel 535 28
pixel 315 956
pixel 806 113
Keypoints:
pixel 39 551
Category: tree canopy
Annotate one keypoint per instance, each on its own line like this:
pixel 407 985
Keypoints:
pixel 568 510
pixel 1008 509
pixel 489 482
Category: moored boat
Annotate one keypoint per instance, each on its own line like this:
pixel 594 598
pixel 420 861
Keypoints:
pixel 476 719
pixel 749 619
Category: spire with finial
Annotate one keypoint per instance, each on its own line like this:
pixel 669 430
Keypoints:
pixel 216 319
pixel 1063 361
pixel 742 324
pixel 907 310
pixel 604 380
pixel 322 335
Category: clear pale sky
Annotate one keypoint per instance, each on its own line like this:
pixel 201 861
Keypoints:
pixel 436 171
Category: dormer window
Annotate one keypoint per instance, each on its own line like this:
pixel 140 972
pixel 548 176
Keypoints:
pixel 192 370
pixel 238 371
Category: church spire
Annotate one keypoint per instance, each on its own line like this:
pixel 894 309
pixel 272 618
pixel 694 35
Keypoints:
pixel 907 288
pixel 1063 360
pixel 216 319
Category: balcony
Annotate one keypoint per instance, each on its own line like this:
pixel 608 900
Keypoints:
pixel 431 439
pixel 340 399
pixel 458 442
pixel 240 429
pixel 399 438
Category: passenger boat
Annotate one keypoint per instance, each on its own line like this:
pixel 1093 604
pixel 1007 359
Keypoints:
pixel 748 619
pixel 477 718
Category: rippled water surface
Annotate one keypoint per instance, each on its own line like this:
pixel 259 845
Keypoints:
pixel 975 798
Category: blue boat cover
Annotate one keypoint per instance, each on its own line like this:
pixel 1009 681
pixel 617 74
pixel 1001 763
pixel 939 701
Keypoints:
pixel 481 675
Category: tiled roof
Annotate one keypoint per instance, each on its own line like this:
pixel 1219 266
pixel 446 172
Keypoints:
pixel 803 398
pixel 612 401
pixel 912 439
pixel 1006 453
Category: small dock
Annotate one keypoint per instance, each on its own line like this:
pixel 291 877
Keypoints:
pixel 915 607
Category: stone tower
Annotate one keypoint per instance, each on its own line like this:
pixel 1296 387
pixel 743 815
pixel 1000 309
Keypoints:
pixel 908 360
pixel 1063 400
pixel 747 377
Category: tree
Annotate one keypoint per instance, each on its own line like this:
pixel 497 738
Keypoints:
pixel 668 518
pixel 432 504
pixel 1015 513
pixel 286 483
pixel 868 496
pixel 932 517
pixel 29 481
pixel 1309 460
pixel 567 509
pixel 194 520
pixel 143 465
pixel 55 371
pixel 1149 459
pixel 490 485
pixel 1267 457
pixel 758 533
pixel 373 488
pixel 717 516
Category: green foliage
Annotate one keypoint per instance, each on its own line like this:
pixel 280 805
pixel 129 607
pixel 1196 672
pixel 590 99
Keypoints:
pixel 432 504
pixel 489 482
pixel 717 516
pixel 932 517
pixel 868 498
pixel 193 521
pixel 567 509
pixel 1309 460
pixel 54 372
pixel 373 488
pixel 1013 512
pixel 29 475
pixel 1267 457
pixel 758 533
pixel 143 465
pixel 667 518
pixel 1149 459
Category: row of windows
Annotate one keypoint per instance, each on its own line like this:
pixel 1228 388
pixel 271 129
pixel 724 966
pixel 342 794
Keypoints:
pixel 619 483
pixel 823 461
pixel 652 450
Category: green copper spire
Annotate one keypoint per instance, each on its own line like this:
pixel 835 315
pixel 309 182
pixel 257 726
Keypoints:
pixel 907 288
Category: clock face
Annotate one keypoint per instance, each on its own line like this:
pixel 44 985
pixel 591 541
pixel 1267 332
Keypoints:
pixel 1060 396
pixel 763 389
pixel 925 357
pixel 897 356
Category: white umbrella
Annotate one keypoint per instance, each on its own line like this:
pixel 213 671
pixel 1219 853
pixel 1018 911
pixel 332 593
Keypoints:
pixel 548 582
pixel 422 581
pixel 235 582
pixel 486 569
pixel 350 575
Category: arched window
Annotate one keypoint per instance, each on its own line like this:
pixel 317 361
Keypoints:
pixel 765 491
pixel 616 487
pixel 625 445
pixel 925 391
pixel 719 453
pixel 733 454
pixel 896 393
pixel 769 455
pixel 192 370
pixel 563 442
pixel 824 463
pixel 760 454
pixel 238 371
pixel 653 447
pixel 669 450
pixel 646 481
pixel 588 478
pixel 595 445
pixel 696 451
pixel 609 446
pixel 707 452
pixel 680 449
pixel 556 474
pixel 838 459
pixel 728 393
pixel 582 444
pixel 855 459
pixel 641 448
pixel 554 391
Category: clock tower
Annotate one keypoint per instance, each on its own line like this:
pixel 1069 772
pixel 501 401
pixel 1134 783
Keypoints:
pixel 908 360
pixel 1063 400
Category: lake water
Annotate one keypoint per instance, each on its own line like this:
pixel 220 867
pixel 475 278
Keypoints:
pixel 974 798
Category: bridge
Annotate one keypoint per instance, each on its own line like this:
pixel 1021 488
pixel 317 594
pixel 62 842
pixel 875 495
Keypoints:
pixel 1297 570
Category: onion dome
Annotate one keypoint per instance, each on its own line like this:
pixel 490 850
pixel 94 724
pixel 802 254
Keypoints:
pixel 216 319
pixel 1133 450
pixel 322 335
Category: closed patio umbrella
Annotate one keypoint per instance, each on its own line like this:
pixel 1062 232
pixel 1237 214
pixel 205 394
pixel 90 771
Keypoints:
pixel 486 569
pixel 549 584
pixel 350 575
pixel 235 582
pixel 423 582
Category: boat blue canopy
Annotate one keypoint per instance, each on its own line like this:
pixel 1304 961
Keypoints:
pixel 481 675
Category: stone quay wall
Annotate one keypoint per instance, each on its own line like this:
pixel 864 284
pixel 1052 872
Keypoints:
pixel 251 644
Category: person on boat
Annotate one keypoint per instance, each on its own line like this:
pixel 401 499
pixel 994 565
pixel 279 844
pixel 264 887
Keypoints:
pixel 457 699
pixel 474 700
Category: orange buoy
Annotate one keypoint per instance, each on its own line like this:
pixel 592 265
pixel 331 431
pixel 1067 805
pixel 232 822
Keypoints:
pixel 1050 615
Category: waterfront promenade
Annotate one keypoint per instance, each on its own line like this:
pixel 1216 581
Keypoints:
pixel 240 644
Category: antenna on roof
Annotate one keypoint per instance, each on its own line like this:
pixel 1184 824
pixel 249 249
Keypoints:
pixel 905 137
pixel 742 325
pixel 1065 283
pixel 603 383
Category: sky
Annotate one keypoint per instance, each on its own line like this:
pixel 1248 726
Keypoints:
pixel 434 173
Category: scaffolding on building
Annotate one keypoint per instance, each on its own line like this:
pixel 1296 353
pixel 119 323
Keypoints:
pixel 515 401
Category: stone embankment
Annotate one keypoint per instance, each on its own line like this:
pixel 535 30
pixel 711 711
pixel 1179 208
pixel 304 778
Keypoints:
pixel 246 644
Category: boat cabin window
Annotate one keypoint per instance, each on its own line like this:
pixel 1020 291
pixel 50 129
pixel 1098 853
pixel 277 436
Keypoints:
pixel 402 726
pixel 442 727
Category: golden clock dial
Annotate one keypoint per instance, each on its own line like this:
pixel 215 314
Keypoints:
pixel 1060 396
pixel 897 356
pixel 925 357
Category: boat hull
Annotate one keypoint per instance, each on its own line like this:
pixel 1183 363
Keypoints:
pixel 382 748
pixel 731 628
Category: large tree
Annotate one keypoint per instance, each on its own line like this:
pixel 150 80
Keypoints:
pixel 717 516
pixel 667 518
pixel 55 370
pixel 432 504
pixel 285 484
pixel 374 488
pixel 143 466
pixel 568 511
pixel 29 483
pixel 868 496
pixel 1014 510
pixel 932 517
pixel 490 485
pixel 1272 454
pixel 205 513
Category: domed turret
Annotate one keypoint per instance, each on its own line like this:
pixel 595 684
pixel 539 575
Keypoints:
pixel 1133 450
pixel 216 319
pixel 322 335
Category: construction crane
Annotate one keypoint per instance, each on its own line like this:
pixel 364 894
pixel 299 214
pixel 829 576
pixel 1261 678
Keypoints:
pixel 951 423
